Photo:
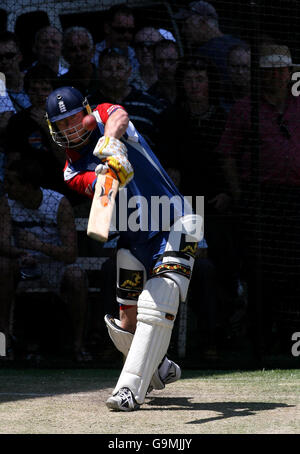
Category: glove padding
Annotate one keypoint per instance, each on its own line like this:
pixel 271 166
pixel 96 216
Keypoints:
pixel 120 166
pixel 113 154
pixel 109 146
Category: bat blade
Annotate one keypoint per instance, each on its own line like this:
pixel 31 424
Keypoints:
pixel 103 203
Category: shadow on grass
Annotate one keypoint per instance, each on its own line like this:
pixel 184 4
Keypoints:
pixel 225 410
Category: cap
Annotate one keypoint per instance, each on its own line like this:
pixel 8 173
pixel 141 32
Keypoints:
pixel 275 56
pixel 201 8
pixel 166 34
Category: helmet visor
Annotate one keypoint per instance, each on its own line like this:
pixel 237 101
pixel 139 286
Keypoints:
pixel 69 132
pixel 71 137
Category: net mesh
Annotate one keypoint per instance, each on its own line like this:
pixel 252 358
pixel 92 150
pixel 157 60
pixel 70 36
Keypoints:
pixel 214 89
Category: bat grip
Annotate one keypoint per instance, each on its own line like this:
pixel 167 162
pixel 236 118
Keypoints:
pixel 111 173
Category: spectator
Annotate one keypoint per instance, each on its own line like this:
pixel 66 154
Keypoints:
pixel 78 50
pixel 32 139
pixel 119 29
pixel 197 118
pixel 10 58
pixel 276 189
pixel 144 42
pixel 48 49
pixel 45 233
pixel 196 123
pixel 202 34
pixel 115 87
pixel 166 60
pixel 239 70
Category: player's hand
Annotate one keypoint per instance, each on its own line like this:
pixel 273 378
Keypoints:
pixel 109 146
pixel 120 167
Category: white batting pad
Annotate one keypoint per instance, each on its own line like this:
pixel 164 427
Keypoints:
pixel 121 338
pixel 157 309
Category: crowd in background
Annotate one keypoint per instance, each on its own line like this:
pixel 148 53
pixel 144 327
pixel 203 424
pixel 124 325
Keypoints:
pixel 194 111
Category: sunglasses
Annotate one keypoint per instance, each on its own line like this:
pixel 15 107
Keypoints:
pixel 123 30
pixel 8 55
pixel 113 51
pixel 144 44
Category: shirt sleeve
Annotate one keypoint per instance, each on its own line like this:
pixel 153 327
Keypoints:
pixel 105 110
pixel 83 183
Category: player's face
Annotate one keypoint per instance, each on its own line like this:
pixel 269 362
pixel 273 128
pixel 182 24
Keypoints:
pixel 49 44
pixel 10 58
pixel 121 30
pixel 145 41
pixel 195 84
pixel 79 50
pixel 275 80
pixel 71 128
pixel 239 68
pixel 38 92
pixel 114 73
pixel 195 29
pixel 166 61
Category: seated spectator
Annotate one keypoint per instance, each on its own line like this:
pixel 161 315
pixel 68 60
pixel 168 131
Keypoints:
pixel 10 59
pixel 78 50
pixel 166 60
pixel 27 133
pixel 114 86
pixel 46 242
pixel 119 29
pixel 202 34
pixel 144 42
pixel 239 71
pixel 48 49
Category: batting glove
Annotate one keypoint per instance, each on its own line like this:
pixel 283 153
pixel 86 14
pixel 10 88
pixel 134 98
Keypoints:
pixel 109 146
pixel 120 166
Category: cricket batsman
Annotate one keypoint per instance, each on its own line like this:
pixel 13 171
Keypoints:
pixel 154 264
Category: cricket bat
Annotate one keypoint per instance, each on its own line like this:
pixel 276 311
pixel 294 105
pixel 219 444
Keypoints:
pixel 102 207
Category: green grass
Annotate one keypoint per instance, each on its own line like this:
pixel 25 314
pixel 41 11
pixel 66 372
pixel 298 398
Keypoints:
pixel 203 402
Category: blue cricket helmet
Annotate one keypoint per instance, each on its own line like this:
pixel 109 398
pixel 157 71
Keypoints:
pixel 62 103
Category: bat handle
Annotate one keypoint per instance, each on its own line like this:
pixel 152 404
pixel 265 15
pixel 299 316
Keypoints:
pixel 111 173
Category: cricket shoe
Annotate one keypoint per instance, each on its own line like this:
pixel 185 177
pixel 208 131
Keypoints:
pixel 123 401
pixel 158 382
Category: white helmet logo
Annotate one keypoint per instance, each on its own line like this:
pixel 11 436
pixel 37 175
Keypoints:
pixel 62 107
